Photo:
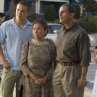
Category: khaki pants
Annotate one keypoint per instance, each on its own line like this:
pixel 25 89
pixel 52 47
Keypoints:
pixel 8 80
pixel 65 80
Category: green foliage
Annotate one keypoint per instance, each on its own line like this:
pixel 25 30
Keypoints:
pixel 49 12
pixel 77 12
pixel 89 23
pixel 91 5
pixel 31 17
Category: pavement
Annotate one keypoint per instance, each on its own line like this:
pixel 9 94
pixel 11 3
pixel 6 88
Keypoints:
pixel 87 92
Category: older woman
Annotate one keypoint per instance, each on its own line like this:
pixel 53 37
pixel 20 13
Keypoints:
pixel 37 63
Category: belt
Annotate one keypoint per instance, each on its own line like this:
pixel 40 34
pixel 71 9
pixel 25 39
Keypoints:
pixel 69 63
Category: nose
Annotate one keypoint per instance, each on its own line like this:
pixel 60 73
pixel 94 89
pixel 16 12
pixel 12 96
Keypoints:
pixel 19 12
pixel 35 31
pixel 59 14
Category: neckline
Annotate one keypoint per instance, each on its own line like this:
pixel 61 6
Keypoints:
pixel 38 42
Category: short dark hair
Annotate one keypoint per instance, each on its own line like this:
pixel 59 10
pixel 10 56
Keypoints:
pixel 41 22
pixel 2 14
pixel 71 8
pixel 24 3
pixel 96 47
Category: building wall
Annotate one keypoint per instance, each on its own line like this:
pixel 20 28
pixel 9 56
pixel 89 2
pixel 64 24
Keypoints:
pixel 39 3
pixel 1 5
pixel 56 6
pixel 56 0
pixel 34 5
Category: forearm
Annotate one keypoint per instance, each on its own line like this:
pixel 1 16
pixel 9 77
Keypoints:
pixel 32 75
pixel 1 54
pixel 3 59
pixel 84 72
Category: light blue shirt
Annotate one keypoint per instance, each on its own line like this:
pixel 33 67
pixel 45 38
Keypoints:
pixel 12 37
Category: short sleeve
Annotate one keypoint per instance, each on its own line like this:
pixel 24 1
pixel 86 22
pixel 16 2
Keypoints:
pixel 84 49
pixel 3 35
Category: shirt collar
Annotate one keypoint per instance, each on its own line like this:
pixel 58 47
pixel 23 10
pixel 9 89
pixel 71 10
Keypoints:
pixel 26 24
pixel 72 27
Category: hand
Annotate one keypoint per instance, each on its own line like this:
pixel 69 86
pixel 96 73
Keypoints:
pixel 38 80
pixel 81 83
pixel 6 64
pixel 41 81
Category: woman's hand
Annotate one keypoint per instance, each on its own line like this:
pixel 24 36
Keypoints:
pixel 38 80
pixel 41 81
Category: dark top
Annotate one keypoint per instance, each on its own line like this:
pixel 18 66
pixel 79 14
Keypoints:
pixel 73 45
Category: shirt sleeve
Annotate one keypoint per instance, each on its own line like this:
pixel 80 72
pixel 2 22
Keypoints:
pixel 23 61
pixel 84 49
pixel 3 35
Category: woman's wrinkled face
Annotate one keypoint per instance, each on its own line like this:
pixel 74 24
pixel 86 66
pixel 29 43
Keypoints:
pixel 95 55
pixel 38 31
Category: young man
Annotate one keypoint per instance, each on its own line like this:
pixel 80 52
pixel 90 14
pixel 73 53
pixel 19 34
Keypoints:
pixel 13 34
pixel 73 56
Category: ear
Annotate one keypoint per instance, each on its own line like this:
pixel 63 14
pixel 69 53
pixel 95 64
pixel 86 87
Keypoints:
pixel 72 15
pixel 45 32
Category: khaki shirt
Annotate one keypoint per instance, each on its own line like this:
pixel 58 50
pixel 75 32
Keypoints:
pixel 73 45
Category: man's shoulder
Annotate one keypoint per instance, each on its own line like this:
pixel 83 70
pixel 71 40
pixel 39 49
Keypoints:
pixel 80 30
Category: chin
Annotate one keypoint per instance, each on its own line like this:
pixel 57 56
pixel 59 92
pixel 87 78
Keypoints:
pixel 61 21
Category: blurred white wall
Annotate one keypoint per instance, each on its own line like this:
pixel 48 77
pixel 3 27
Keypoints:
pixel 56 0
pixel 1 5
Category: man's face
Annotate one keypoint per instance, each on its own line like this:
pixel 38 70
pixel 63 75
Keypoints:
pixel 95 55
pixel 21 12
pixel 64 14
pixel 2 19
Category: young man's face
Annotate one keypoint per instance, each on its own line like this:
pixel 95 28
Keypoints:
pixel 21 12
pixel 95 55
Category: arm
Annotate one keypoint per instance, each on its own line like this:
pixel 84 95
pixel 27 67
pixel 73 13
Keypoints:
pixel 3 59
pixel 1 53
pixel 53 55
pixel 84 72
pixel 24 62
pixel 85 56
pixel 3 36
pixel 82 81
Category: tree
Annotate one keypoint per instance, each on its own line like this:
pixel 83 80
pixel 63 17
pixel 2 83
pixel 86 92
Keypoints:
pixel 91 6
pixel 49 12
pixel 77 11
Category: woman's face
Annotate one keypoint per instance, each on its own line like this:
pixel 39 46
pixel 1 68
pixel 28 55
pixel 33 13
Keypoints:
pixel 38 31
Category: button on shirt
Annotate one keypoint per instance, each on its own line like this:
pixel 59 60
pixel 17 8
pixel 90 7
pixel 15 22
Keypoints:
pixel 73 45
pixel 12 37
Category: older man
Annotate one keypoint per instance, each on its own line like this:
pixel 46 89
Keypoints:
pixel 73 56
